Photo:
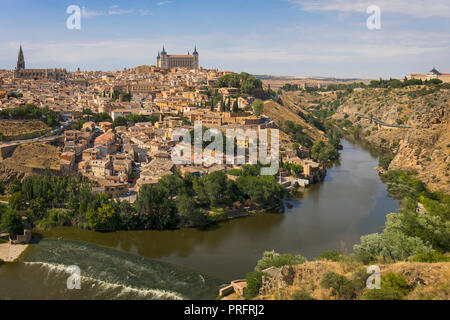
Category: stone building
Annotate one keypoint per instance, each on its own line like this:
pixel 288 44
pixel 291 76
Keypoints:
pixel 37 74
pixel 166 61
pixel 433 74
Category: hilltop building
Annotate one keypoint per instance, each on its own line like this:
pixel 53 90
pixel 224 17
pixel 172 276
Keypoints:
pixel 433 74
pixel 37 74
pixel 167 61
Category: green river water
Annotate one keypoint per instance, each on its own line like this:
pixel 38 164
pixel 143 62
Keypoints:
pixel 194 263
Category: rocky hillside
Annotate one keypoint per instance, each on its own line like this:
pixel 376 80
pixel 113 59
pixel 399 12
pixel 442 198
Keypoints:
pixel 289 108
pixel 26 157
pixel 411 123
pixel 423 280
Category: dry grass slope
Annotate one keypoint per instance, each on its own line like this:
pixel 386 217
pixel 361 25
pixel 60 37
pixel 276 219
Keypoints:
pixel 428 280
pixel 281 114
pixel 35 155
pixel 17 127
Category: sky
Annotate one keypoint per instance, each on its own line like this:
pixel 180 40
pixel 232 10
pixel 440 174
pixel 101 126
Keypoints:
pixel 279 37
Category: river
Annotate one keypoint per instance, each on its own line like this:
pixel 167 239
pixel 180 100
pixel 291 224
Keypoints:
pixel 193 263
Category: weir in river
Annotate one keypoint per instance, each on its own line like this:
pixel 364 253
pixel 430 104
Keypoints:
pixel 194 263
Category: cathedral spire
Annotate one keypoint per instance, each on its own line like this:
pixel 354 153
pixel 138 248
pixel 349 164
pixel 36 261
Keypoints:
pixel 20 60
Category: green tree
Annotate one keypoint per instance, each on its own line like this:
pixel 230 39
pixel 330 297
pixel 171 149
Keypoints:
pixel 214 189
pixel 120 122
pixel 235 106
pixel 102 117
pixel 104 218
pixel 129 220
pixel 37 208
pixel 17 201
pixel 11 222
pixel 258 107
pixel 262 189
pixel 15 186
pixel 156 209
pixel 324 152
pixel 188 211
pixel 85 196
pixel 254 284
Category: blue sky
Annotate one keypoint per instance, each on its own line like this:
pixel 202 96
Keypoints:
pixel 281 37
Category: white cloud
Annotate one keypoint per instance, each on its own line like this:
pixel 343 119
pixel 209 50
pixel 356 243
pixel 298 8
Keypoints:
pixel 114 11
pixel 118 12
pixel 414 8
pixel 162 3
pixel 85 13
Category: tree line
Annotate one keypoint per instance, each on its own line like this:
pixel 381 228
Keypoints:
pixel 175 201
pixel 32 112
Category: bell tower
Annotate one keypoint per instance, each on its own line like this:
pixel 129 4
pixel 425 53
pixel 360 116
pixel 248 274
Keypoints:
pixel 20 60
pixel 196 58
pixel 164 59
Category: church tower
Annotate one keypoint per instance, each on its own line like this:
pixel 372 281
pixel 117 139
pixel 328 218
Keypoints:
pixel 164 61
pixel 196 59
pixel 158 60
pixel 20 60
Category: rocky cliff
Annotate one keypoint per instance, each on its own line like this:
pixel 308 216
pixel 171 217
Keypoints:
pixel 412 123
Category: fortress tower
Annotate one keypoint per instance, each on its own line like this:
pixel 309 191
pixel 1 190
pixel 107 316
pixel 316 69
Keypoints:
pixel 166 61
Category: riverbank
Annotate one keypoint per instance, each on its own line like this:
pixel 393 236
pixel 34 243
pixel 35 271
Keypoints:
pixel 316 219
pixel 10 252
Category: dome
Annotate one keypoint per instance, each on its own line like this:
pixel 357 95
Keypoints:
pixel 434 71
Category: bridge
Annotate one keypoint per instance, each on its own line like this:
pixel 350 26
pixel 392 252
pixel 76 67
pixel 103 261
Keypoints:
pixel 377 121
pixel 381 123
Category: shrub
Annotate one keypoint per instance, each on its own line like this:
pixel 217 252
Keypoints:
pixel 55 218
pixel 258 107
pixel 332 255
pixel 383 294
pixel 385 161
pixel 301 295
pixel 273 259
pixel 342 287
pixel 1 262
pixel 391 245
pixel 431 257
pixel 359 279
pixel 254 284
pixel 395 281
